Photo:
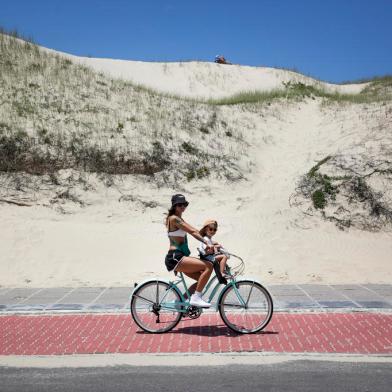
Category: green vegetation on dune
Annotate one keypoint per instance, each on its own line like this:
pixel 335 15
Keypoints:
pixel 350 198
pixel 377 91
pixel 56 114
pixel 378 79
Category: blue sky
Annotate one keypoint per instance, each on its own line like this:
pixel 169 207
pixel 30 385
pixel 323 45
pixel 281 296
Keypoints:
pixel 329 39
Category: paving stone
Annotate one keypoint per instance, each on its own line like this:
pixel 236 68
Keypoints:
pixel 351 333
pixel 4 290
pixel 115 295
pixel 378 286
pixel 25 308
pixel 338 304
pixel 279 304
pixel 102 307
pixel 291 297
pixel 117 298
pixel 355 293
pixel 375 304
pixel 17 295
pixel 318 289
pixel 284 290
pixel 48 296
pixel 383 291
pixel 311 286
pixel 65 307
pixel 327 297
pixel 82 295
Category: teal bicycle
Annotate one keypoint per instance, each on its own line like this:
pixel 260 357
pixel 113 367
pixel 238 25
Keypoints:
pixel 245 305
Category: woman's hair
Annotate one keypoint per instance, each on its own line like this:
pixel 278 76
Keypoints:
pixel 203 230
pixel 171 212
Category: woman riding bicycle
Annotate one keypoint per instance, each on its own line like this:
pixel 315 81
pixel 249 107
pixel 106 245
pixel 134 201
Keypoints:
pixel 177 258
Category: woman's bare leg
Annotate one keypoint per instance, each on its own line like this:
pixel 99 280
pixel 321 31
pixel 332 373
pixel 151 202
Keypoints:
pixel 192 288
pixel 192 265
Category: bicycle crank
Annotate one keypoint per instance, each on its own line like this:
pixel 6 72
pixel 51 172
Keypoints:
pixel 193 312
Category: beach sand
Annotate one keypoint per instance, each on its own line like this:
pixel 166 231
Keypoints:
pixel 111 243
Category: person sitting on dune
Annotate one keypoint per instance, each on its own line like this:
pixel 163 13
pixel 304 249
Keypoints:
pixel 219 59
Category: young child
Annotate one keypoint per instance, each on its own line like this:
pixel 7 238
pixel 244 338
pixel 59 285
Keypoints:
pixel 208 230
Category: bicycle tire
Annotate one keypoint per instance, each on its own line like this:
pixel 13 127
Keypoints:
pixel 137 317
pixel 222 306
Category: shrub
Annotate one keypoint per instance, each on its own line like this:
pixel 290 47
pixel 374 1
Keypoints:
pixel 189 148
pixel 318 198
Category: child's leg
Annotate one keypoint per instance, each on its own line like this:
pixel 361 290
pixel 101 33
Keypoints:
pixel 222 260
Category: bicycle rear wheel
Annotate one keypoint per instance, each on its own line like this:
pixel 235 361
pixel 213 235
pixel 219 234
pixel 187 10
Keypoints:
pixel 155 306
pixel 246 309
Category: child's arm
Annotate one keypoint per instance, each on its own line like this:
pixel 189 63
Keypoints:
pixel 217 245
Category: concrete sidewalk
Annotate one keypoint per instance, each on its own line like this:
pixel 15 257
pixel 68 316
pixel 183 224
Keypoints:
pixel 290 297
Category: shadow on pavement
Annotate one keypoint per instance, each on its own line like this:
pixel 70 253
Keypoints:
pixel 210 330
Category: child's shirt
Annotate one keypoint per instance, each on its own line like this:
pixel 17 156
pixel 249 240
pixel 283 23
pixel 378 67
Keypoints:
pixel 203 246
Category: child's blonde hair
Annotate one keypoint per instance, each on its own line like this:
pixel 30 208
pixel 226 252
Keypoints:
pixel 203 230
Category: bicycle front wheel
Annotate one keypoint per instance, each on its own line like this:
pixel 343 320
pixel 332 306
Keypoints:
pixel 155 306
pixel 246 307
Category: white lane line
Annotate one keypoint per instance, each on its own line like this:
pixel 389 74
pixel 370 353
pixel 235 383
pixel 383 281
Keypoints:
pixel 312 299
pixel 6 291
pixel 344 295
pixel 64 296
pixel 98 296
pixel 31 295
pixel 374 292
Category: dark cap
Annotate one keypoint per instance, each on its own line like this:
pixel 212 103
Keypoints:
pixel 178 199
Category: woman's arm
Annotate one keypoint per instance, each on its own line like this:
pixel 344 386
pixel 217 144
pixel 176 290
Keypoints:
pixel 181 224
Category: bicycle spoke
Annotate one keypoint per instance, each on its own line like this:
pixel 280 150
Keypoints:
pixel 159 316
pixel 144 299
pixel 256 312
pixel 250 292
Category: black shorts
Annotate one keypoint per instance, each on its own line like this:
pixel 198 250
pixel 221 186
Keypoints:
pixel 172 258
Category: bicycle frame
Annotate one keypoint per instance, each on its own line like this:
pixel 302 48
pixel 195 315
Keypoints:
pixel 185 303
pixel 171 299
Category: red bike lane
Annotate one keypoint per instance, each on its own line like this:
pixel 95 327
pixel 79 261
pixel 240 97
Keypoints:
pixel 353 333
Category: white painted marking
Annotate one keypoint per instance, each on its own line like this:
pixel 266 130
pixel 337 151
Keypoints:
pixel 374 292
pixel 6 291
pixel 98 296
pixel 311 298
pixel 31 295
pixel 344 295
pixel 64 296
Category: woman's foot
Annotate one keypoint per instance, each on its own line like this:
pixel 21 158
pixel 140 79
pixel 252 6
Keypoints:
pixel 196 300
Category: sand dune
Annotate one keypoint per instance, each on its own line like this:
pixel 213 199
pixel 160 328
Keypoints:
pixel 111 242
pixel 204 80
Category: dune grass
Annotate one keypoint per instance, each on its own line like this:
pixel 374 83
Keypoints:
pixel 55 114
pixel 377 91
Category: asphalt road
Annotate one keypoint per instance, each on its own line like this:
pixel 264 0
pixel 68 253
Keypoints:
pixel 302 375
